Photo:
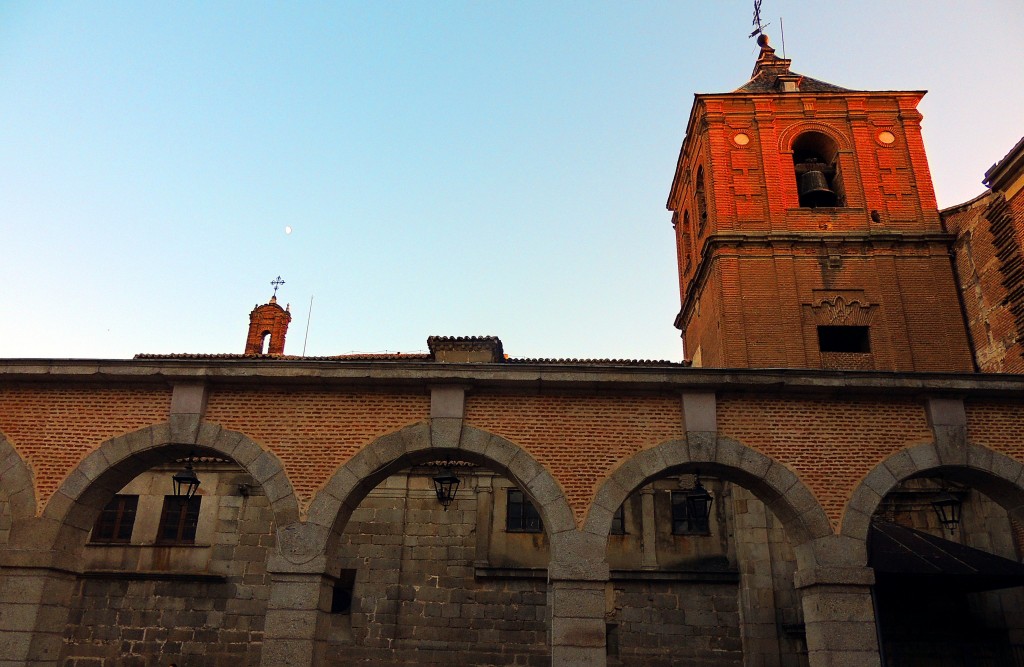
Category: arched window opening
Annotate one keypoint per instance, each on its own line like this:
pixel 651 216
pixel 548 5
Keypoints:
pixel 702 201
pixel 819 181
pixel 265 343
pixel 685 243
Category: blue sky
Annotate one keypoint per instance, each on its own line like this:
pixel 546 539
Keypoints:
pixel 447 169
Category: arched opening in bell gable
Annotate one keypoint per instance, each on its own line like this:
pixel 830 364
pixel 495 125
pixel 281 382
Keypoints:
pixel 819 179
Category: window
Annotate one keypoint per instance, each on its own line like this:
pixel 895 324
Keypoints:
pixel 619 521
pixel 114 524
pixel 341 596
pixel 843 339
pixel 682 522
pixel 702 201
pixel 178 520
pixel 521 515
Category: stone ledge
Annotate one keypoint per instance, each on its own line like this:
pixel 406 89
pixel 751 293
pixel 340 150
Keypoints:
pixel 510 572
pixel 154 575
pixel 689 576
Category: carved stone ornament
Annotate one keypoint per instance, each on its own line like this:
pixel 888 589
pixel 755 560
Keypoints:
pixel 300 543
pixel 838 310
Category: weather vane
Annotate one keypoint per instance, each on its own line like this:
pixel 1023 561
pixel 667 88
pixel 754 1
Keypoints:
pixel 277 282
pixel 759 30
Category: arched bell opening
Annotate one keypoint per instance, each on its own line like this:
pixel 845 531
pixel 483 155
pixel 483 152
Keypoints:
pixel 819 179
pixel 949 584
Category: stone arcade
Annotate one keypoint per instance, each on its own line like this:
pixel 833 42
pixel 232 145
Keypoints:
pixel 830 393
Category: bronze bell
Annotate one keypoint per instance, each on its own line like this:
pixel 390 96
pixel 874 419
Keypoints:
pixel 814 190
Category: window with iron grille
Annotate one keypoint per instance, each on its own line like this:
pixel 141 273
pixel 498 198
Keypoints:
pixel 521 516
pixel 179 520
pixel 114 524
pixel 682 522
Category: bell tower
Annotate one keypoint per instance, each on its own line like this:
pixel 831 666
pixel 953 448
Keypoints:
pixel 807 231
pixel 268 325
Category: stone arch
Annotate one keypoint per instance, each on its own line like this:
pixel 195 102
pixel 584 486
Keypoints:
pixel 73 507
pixel 423 442
pixel 773 483
pixel 996 475
pixel 790 134
pixel 16 481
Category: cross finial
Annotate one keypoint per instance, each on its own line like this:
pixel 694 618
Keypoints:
pixel 276 282
pixel 758 26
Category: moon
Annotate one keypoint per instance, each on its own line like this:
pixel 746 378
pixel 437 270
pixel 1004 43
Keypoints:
pixel 287 229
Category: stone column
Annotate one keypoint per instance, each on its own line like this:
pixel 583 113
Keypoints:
pixel 758 627
pixel 34 605
pixel 577 580
pixel 648 534
pixel 577 623
pixel 296 628
pixel 297 625
pixel 484 519
pixel 839 616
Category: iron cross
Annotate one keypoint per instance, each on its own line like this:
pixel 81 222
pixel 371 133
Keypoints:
pixel 277 282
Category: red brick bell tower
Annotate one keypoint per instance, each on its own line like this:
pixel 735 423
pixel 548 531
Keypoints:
pixel 807 231
pixel 268 325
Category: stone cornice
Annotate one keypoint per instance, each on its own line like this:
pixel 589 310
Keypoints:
pixel 529 378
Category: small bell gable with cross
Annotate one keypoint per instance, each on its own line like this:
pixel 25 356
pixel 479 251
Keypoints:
pixel 268 325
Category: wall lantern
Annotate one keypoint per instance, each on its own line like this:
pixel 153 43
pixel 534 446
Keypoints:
pixel 185 482
pixel 698 500
pixel 446 484
pixel 948 508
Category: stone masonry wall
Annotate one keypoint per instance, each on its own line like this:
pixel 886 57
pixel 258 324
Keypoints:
pixel 416 600
pixel 5 518
pixel 663 624
pixel 177 611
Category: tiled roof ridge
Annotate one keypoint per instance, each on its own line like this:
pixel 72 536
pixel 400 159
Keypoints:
pixel 400 356
pixel 613 362
pixel 356 356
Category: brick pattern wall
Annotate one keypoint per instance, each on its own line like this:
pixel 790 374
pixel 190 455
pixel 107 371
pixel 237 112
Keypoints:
pixel 314 432
pixel 982 262
pixel 998 425
pixel 55 428
pixel 830 444
pixel 580 439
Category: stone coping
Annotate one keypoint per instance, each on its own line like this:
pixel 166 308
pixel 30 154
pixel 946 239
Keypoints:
pixel 531 378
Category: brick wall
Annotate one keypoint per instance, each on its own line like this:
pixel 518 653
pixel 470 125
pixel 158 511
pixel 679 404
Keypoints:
pixel 830 444
pixel 54 428
pixel 314 432
pixel 580 439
